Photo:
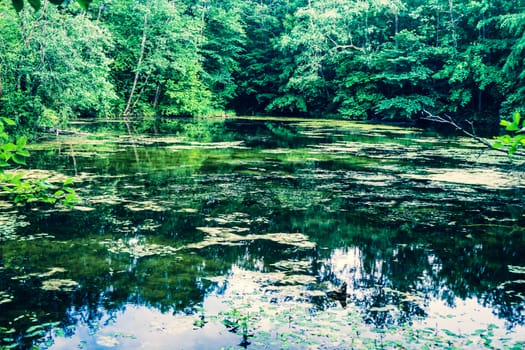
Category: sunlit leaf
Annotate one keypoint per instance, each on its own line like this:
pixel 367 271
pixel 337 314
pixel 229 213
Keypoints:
pixel 8 121
pixel 9 147
pixel 21 142
pixel 516 118
pixel 509 126
pixel 23 153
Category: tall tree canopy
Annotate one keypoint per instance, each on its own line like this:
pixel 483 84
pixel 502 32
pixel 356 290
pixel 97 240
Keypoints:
pixel 365 59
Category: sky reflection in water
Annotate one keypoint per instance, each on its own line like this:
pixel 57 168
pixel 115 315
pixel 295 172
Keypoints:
pixel 255 221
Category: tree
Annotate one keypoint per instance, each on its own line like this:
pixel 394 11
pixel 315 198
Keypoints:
pixel 514 67
pixel 221 43
pixel 18 5
pixel 157 67
pixel 264 67
pixel 54 67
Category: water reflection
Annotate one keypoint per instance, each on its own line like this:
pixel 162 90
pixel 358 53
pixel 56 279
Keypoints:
pixel 193 229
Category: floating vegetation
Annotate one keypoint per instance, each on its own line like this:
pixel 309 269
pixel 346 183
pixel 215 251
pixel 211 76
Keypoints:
pixel 5 297
pixel 292 323
pixel 144 205
pixel 10 223
pixel 236 241
pixel 149 225
pixel 188 210
pixel 137 247
pixel 516 269
pixel 293 265
pixel 64 285
pixel 489 178
pixel 236 218
pixel 50 272
pixel 232 236
pixel 208 145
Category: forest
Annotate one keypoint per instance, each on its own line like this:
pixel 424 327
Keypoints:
pixel 359 60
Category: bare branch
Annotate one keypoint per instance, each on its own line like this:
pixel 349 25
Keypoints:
pixel 344 47
pixel 446 119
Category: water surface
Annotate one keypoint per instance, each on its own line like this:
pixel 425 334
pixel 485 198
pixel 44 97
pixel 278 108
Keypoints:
pixel 229 233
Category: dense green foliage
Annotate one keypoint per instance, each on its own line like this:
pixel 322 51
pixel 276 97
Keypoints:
pixel 18 5
pixel 367 59
pixel 20 190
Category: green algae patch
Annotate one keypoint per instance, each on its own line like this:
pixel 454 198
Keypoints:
pixel 138 248
pixel 488 178
pixel 5 297
pixel 64 285
pixel 238 230
pixel 231 236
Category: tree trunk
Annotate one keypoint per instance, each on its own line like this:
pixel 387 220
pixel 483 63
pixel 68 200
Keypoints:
pixel 127 110
pixel 453 23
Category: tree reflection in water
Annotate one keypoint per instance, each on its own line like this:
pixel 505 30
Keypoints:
pixel 204 227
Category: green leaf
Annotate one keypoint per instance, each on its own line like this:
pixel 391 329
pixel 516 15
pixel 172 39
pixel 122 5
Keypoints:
pixel 504 139
pixel 68 181
pixel 8 121
pixel 18 160
pixel 516 118
pixel 509 126
pixel 57 2
pixel 21 142
pixel 23 153
pixel 18 5
pixel 9 147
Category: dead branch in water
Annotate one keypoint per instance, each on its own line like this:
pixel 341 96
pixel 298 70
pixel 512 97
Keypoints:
pixel 446 119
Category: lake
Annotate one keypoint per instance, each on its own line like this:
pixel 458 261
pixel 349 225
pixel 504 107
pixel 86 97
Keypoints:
pixel 229 233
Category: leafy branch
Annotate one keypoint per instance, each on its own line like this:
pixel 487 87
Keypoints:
pixel 23 191
pixel 508 143
pixel 517 137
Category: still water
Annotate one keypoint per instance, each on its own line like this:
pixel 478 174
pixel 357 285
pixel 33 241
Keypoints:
pixel 229 234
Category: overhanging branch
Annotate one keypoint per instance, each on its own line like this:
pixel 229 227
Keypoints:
pixel 446 119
